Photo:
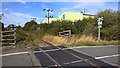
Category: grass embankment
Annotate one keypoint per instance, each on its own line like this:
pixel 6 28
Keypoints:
pixel 78 41
pixel 34 40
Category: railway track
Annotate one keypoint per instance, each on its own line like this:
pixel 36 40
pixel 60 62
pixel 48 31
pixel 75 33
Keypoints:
pixel 60 56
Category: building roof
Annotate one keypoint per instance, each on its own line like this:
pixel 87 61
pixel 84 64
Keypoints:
pixel 88 14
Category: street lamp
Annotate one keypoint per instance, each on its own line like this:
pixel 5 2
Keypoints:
pixel 100 20
pixel 48 11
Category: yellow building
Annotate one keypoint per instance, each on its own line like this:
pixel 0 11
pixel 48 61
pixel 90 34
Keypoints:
pixel 69 16
pixel 74 16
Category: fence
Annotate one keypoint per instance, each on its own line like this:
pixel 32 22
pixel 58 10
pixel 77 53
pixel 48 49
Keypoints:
pixel 8 37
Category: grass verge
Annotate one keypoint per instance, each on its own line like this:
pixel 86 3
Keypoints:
pixel 78 41
pixel 96 43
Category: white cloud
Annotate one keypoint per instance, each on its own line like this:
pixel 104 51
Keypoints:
pixel 21 15
pixel 68 10
pixel 89 5
pixel 64 9
pixel 15 18
pixel 24 2
pixel 7 9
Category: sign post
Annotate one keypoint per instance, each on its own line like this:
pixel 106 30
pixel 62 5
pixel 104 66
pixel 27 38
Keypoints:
pixel 100 19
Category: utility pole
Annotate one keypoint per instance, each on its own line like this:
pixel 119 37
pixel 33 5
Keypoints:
pixel 100 20
pixel 48 15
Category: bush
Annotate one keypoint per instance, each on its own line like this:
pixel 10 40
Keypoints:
pixel 20 35
pixel 30 26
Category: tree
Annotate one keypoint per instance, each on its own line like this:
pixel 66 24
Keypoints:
pixel 110 29
pixel 30 26
pixel 90 26
pixel 80 26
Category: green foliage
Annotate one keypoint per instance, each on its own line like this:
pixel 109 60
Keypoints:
pixel 28 37
pixel 39 33
pixel 80 26
pixel 90 26
pixel 20 34
pixel 30 26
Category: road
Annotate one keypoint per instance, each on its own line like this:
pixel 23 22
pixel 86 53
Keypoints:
pixel 64 57
pixel 108 53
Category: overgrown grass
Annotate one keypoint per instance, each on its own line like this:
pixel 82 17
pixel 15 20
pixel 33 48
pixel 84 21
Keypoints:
pixel 83 44
pixel 113 42
pixel 78 41
pixel 31 38
pixel 56 40
pixel 5 48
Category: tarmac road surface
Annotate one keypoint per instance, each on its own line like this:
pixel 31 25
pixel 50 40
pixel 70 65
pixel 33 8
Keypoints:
pixel 64 57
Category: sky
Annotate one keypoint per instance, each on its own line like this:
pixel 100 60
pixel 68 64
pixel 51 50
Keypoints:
pixel 19 12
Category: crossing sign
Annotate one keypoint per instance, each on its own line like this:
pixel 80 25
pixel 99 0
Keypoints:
pixel 12 27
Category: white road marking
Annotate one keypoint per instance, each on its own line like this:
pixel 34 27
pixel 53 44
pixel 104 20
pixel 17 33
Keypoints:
pixel 80 58
pixel 73 62
pixel 107 56
pixel 91 46
pixel 36 51
pixel 52 50
pixel 14 53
